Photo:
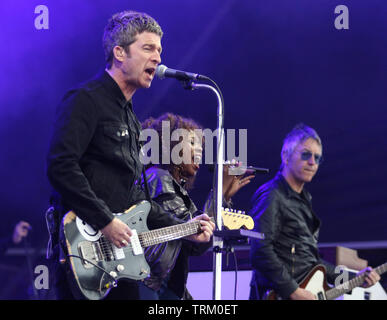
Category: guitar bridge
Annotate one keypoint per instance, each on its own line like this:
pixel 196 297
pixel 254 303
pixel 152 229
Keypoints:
pixel 90 251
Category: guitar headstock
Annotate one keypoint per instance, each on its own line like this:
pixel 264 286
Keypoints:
pixel 233 219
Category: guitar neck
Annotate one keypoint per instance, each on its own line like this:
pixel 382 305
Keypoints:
pixel 351 284
pixel 157 236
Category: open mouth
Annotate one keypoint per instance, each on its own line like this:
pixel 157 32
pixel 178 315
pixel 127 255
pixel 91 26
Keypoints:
pixel 150 71
pixel 196 159
pixel 195 162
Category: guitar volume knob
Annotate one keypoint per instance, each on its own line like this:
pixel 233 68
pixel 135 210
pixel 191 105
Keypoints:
pixel 143 271
pixel 120 268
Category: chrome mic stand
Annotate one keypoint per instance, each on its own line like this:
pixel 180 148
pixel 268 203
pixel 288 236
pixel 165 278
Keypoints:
pixel 217 241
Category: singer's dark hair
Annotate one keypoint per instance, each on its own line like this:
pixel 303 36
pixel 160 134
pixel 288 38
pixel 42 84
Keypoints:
pixel 122 29
pixel 297 135
pixel 175 122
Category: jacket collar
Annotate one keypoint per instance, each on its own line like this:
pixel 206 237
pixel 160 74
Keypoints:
pixel 284 185
pixel 113 89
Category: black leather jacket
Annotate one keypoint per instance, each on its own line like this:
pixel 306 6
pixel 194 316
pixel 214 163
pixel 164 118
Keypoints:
pixel 289 250
pixel 170 259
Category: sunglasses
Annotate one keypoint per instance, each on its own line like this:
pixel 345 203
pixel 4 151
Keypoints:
pixel 305 155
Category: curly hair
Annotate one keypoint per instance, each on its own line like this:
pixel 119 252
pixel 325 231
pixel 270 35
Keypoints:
pixel 166 143
pixel 122 29
pixel 175 122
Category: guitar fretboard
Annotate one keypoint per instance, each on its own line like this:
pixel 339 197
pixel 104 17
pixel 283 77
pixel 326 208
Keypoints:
pixel 153 237
pixel 353 283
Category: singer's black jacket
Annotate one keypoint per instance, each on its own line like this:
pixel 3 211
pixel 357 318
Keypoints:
pixel 289 250
pixel 93 160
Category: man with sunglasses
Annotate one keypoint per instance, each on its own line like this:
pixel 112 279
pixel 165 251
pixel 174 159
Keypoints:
pixel 282 210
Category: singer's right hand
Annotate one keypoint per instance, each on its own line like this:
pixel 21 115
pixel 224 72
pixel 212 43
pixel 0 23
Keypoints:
pixel 117 233
pixel 231 183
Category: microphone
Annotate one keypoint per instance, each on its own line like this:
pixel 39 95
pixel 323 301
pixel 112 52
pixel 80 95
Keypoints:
pixel 246 170
pixel 241 170
pixel 163 71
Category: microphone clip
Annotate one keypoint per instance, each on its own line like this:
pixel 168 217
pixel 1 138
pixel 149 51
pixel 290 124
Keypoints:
pixel 187 84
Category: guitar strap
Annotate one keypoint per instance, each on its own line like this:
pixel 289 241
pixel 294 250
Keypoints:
pixel 146 187
pixel 55 239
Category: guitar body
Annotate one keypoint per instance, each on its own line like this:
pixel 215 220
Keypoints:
pixel 315 282
pixel 86 247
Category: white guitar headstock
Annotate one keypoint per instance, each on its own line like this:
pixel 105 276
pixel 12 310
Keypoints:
pixel 236 219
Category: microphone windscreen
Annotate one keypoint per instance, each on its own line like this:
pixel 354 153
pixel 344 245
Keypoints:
pixel 160 71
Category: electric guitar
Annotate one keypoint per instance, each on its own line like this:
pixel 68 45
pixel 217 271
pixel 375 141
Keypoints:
pixel 96 264
pixel 316 283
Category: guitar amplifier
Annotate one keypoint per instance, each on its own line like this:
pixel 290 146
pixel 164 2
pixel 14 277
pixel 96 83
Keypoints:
pixel 343 256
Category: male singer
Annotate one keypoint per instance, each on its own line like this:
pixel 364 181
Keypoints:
pixel 93 160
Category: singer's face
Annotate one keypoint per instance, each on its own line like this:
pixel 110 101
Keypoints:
pixel 194 144
pixel 140 61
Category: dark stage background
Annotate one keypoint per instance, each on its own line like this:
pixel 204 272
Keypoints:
pixel 277 62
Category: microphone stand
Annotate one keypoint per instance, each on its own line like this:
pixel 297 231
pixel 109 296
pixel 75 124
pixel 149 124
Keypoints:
pixel 217 241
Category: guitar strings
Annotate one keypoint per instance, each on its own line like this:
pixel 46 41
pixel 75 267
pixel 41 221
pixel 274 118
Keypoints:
pixel 106 244
pixel 150 238
pixel 147 240
pixel 144 241
pixel 166 231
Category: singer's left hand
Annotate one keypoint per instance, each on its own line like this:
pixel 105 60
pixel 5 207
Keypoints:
pixel 231 183
pixel 207 227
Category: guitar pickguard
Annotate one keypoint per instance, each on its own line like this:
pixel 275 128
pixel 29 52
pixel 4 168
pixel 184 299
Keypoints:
pixel 316 285
pixel 87 231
